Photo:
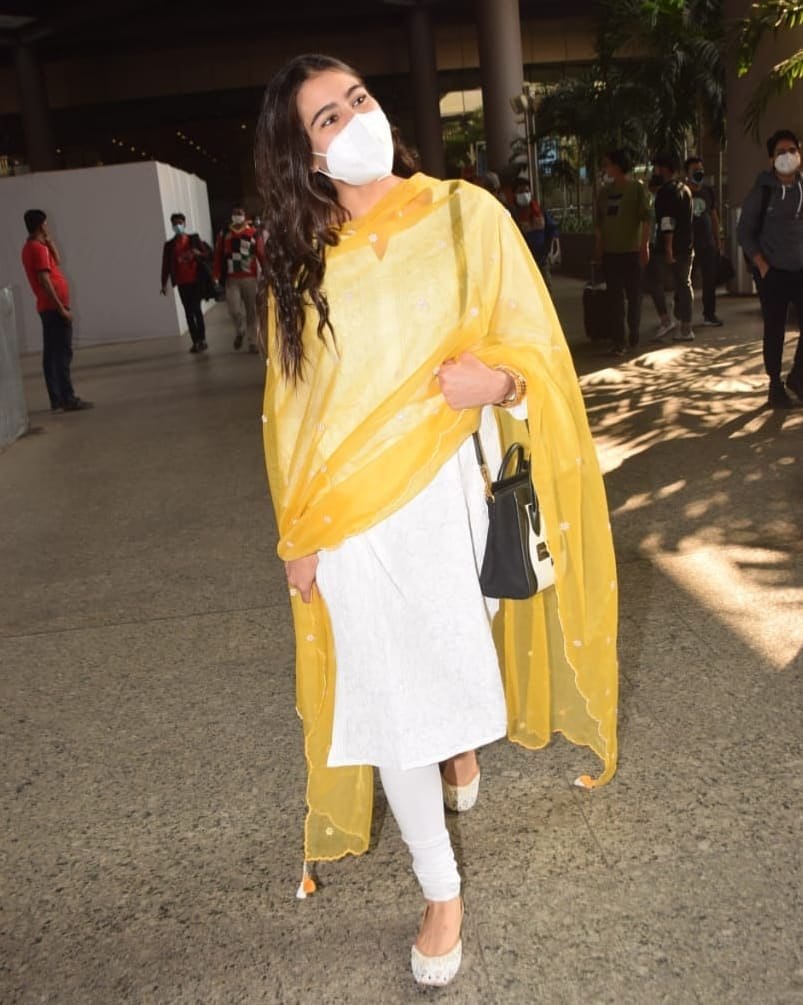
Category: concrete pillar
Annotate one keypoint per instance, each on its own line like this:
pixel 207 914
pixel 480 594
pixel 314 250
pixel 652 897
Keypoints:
pixel 502 73
pixel 426 93
pixel 36 122
pixel 745 157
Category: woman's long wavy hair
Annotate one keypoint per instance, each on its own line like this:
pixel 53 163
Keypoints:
pixel 302 214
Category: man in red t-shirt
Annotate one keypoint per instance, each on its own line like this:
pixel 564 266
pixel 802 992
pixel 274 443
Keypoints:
pixel 181 258
pixel 41 260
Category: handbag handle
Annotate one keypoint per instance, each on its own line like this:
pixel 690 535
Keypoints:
pixel 514 450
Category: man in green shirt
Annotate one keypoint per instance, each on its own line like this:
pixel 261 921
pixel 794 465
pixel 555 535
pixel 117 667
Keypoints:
pixel 622 244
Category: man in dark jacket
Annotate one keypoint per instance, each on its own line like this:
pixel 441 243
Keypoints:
pixel 707 239
pixel 673 254
pixel 771 233
pixel 181 258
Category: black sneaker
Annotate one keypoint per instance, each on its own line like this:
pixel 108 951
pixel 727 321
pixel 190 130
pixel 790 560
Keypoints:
pixel 194 347
pixel 618 350
pixel 778 398
pixel 238 341
pixel 712 322
pixel 794 381
pixel 78 405
pixel 202 347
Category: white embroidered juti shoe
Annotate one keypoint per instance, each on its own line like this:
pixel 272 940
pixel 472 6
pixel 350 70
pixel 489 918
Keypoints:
pixel 437 971
pixel 459 798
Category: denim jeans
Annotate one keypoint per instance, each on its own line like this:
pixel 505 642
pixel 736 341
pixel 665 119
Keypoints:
pixel 623 279
pixel 778 289
pixel 56 358
pixel 707 259
pixel 190 294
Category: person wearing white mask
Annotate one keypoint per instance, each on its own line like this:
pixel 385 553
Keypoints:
pixel 406 313
pixel 538 227
pixel 771 234
pixel 239 250
pixel 182 259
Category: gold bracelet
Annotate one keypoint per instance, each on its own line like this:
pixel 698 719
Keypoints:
pixel 519 391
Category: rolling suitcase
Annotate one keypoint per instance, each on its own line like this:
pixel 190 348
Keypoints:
pixel 597 309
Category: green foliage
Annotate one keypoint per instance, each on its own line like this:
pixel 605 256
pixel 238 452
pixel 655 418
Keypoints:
pixel 575 222
pixel 659 74
pixel 677 59
pixel 769 16
pixel 600 111
pixel 460 137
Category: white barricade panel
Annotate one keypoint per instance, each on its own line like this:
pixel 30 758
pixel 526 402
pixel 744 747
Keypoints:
pixel 13 409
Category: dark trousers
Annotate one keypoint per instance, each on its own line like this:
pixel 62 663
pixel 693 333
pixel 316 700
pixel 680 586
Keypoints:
pixel 656 276
pixel 190 294
pixel 546 271
pixel 707 260
pixel 776 291
pixel 623 279
pixel 56 358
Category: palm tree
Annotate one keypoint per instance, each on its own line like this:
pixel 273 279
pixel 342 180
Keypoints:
pixel 673 50
pixel 659 77
pixel 589 108
pixel 774 16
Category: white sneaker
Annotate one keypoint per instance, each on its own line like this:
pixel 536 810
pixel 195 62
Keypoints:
pixel 663 331
pixel 682 336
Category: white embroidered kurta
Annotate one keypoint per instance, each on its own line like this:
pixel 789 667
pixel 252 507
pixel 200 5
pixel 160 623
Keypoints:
pixel 418 676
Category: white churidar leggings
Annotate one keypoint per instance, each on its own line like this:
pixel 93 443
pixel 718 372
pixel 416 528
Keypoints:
pixel 415 798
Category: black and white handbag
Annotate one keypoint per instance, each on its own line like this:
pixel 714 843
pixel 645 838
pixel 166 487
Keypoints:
pixel 517 563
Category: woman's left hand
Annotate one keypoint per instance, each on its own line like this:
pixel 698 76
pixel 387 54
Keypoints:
pixel 468 383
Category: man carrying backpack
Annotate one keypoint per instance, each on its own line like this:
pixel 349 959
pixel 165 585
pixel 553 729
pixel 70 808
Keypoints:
pixel 771 233
pixel 182 258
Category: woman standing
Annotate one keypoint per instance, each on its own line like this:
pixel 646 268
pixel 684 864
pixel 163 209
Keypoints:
pixel 405 310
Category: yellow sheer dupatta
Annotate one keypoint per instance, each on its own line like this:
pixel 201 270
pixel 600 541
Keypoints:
pixel 434 270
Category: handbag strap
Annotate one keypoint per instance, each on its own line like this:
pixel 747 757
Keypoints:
pixel 486 475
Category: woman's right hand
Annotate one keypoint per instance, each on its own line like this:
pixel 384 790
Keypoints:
pixel 301 575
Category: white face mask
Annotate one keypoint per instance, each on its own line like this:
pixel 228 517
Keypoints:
pixel 788 162
pixel 606 178
pixel 362 151
pixel 523 198
pixel 237 219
